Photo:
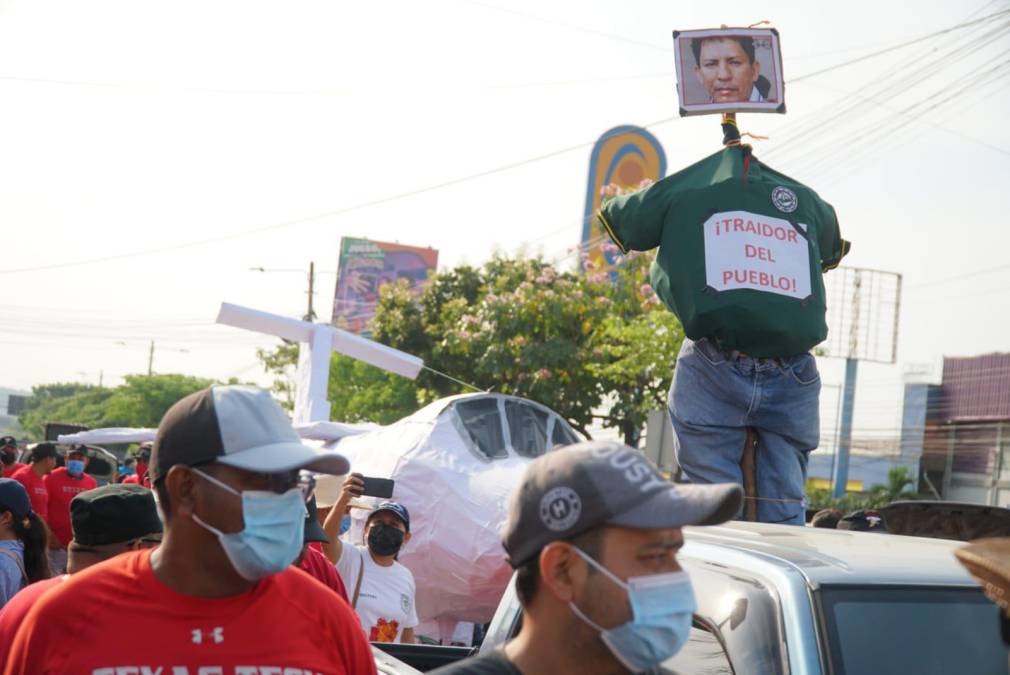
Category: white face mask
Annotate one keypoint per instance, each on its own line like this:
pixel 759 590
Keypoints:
pixel 273 534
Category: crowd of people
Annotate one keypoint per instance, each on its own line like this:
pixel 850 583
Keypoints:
pixel 226 565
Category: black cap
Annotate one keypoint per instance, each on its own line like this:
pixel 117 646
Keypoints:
pixel 14 498
pixel 238 426
pixel 397 509
pixel 113 514
pixel 8 442
pixel 43 451
pixel 313 530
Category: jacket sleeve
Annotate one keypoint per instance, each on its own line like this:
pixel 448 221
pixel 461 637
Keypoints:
pixel 833 247
pixel 635 221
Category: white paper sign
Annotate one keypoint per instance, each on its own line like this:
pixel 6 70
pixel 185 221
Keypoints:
pixel 748 250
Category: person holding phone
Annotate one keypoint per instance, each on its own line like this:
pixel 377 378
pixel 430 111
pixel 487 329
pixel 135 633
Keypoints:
pixel 382 590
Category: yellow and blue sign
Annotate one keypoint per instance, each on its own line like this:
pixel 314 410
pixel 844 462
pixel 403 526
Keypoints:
pixel 626 156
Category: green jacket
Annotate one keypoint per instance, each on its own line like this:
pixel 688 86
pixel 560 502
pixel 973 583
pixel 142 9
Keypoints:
pixel 742 251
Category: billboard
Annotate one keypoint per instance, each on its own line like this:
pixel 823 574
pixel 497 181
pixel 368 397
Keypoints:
pixel 624 156
pixel 365 266
pixel 729 70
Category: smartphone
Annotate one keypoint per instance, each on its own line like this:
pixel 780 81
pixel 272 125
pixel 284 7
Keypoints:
pixel 377 487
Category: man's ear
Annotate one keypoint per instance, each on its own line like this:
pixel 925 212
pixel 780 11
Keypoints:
pixel 180 483
pixel 406 537
pixel 561 569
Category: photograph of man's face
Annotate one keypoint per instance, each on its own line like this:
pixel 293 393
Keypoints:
pixel 726 67
pixel 729 70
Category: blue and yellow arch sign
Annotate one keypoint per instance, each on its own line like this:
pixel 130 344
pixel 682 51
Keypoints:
pixel 625 155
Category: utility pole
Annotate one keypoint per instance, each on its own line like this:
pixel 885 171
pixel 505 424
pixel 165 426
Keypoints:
pixel 150 360
pixel 311 315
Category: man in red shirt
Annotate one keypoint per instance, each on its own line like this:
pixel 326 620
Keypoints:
pixel 9 456
pixel 43 461
pixel 106 522
pixel 312 559
pixel 143 459
pixel 63 484
pixel 219 594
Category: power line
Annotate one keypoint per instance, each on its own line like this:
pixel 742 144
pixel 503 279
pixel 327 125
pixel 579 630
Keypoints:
pixel 888 50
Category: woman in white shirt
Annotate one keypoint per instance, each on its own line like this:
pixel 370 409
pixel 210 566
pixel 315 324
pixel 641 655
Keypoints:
pixel 381 590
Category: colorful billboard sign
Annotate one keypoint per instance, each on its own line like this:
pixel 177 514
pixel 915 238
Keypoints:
pixel 625 156
pixel 364 267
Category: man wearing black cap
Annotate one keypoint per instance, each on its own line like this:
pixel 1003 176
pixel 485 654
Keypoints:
pixel 218 595
pixel 63 484
pixel 593 532
pixel 382 590
pixel 9 456
pixel 140 477
pixel 43 461
pixel 105 521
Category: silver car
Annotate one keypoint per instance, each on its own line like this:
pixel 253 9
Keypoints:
pixel 783 599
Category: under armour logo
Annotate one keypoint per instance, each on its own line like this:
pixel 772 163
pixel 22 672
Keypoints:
pixel 217 635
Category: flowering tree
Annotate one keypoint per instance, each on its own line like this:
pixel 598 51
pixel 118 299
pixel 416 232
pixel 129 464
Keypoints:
pixel 592 343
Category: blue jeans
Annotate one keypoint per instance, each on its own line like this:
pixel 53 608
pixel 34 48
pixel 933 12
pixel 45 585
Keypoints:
pixel 715 397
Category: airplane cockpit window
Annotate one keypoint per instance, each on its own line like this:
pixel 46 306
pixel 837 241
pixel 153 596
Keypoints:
pixel 527 427
pixel 561 435
pixel 482 422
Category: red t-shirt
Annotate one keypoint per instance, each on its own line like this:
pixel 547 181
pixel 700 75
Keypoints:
pixel 9 471
pixel 139 478
pixel 319 567
pixel 13 613
pixel 63 487
pixel 37 492
pixel 116 617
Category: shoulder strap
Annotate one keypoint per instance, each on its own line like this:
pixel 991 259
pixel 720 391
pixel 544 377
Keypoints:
pixel 17 560
pixel 357 584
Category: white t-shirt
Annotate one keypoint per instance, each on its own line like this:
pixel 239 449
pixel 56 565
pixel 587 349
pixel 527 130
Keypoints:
pixel 386 601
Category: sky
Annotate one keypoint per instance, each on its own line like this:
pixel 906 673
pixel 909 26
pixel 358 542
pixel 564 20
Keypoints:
pixel 225 136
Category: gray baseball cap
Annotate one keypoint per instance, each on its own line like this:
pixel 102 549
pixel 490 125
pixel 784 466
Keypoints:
pixel 579 487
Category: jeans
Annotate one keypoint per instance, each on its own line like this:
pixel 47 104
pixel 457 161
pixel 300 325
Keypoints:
pixel 716 396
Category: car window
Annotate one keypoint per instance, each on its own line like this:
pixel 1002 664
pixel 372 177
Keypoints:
pixel 702 654
pixel 867 628
pixel 482 422
pixel 561 434
pixel 743 608
pixel 527 427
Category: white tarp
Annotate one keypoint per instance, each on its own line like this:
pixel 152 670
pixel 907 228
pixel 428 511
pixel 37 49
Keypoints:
pixel 109 435
pixel 457 496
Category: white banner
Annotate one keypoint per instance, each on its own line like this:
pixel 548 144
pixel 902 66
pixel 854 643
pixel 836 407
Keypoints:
pixel 748 250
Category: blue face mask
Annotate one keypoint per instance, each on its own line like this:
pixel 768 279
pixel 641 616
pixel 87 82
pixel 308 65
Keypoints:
pixel 345 524
pixel 273 534
pixel 661 609
pixel 75 467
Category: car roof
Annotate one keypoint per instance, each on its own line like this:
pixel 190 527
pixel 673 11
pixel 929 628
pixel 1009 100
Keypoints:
pixel 826 556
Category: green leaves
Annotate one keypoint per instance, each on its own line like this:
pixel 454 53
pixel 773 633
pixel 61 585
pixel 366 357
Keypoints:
pixel 139 402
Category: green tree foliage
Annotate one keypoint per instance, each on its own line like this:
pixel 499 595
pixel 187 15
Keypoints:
pixel 878 496
pixel 576 341
pixel 139 402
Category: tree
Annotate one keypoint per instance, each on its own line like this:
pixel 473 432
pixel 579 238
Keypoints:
pixel 570 340
pixel 140 402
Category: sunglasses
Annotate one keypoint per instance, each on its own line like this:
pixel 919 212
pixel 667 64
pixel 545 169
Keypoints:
pixel 279 483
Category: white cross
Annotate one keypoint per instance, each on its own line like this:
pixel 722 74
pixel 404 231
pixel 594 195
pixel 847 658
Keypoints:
pixel 316 342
